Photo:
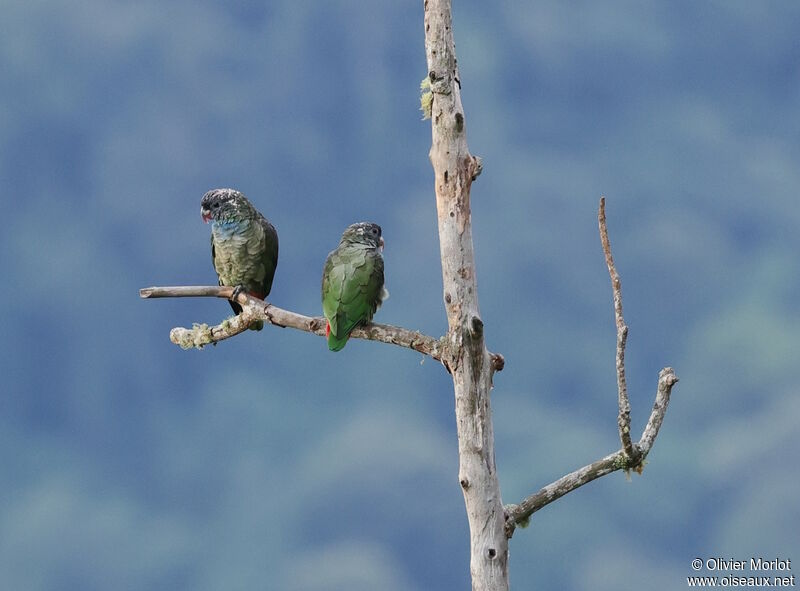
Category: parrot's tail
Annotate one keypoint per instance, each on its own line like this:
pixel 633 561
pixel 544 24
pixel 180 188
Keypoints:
pixel 336 343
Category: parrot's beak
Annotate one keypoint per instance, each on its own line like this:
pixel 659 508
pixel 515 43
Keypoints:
pixel 382 243
pixel 205 213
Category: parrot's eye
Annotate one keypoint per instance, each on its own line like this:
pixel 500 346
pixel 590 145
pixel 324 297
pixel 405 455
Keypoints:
pixel 215 205
pixel 375 231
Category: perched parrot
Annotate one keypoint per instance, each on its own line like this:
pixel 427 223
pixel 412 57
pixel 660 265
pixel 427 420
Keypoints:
pixel 352 282
pixel 244 244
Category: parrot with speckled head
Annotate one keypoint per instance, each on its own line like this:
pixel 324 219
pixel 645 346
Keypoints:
pixel 352 282
pixel 244 244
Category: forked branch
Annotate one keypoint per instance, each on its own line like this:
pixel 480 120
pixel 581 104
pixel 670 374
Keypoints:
pixel 631 456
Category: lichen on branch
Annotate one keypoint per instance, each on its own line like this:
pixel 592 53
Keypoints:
pixel 254 309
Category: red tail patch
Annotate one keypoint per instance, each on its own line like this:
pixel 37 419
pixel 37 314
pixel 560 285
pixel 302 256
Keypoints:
pixel 328 329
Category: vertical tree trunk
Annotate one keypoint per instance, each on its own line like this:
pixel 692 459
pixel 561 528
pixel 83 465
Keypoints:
pixel 469 362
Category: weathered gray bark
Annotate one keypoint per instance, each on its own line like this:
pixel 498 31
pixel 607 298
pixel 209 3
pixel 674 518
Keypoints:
pixel 455 169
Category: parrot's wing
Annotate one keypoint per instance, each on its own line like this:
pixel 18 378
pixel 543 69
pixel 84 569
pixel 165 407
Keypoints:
pixel 265 251
pixel 333 278
pixel 361 291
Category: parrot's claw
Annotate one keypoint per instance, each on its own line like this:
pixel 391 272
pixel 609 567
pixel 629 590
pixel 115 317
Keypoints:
pixel 237 291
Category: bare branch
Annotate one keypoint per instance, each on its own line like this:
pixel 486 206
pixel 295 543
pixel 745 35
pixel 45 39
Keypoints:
pixel 516 514
pixel 188 291
pixel 624 417
pixel 630 456
pixel 666 379
pixel 254 309
pixel 619 460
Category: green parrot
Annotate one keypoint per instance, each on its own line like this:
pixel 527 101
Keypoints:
pixel 244 244
pixel 352 282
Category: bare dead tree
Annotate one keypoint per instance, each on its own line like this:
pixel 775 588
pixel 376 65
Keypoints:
pixel 454 171
pixel 462 350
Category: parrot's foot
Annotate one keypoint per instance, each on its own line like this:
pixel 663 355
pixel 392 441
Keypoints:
pixel 237 291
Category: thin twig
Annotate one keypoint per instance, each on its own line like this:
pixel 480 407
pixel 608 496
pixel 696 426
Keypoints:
pixel 254 309
pixel 519 513
pixel 666 379
pixel 619 460
pixel 624 417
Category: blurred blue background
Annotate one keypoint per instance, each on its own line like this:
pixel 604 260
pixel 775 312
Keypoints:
pixel 269 463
